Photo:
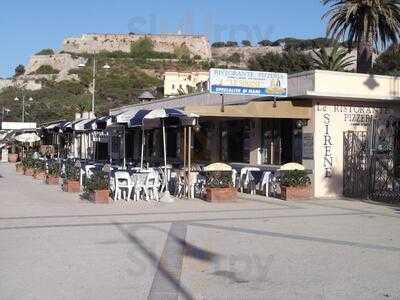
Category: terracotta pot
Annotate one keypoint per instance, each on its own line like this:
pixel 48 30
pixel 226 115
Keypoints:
pixel 52 180
pixel 228 194
pixel 40 175
pixel 19 168
pixel 296 193
pixel 29 172
pixel 99 196
pixel 71 186
pixel 12 157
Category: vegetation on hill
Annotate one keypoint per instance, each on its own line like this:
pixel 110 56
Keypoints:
pixel 287 62
pixel 46 51
pixel 60 100
pixel 46 69
pixel 388 63
pixel 19 70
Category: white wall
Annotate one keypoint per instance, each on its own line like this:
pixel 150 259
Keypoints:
pixel 331 119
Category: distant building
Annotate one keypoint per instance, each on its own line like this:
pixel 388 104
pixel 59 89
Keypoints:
pixel 181 83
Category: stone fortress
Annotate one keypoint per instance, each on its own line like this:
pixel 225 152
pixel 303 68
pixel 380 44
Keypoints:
pixel 198 45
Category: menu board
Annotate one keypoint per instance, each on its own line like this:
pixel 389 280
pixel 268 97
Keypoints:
pixel 308 146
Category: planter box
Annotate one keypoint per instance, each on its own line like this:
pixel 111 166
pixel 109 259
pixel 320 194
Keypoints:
pixel 52 180
pixel 29 172
pixel 296 193
pixel 40 175
pixel 221 194
pixel 12 157
pixel 19 168
pixel 71 186
pixel 99 196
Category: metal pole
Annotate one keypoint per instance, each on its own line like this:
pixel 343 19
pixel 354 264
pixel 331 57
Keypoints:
pixel 184 148
pixel 222 103
pixel 23 108
pixel 165 156
pixel 94 81
pixel 142 154
pixel 189 160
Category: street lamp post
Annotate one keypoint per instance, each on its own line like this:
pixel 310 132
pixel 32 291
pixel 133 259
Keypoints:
pixel 94 68
pixel 4 111
pixel 23 105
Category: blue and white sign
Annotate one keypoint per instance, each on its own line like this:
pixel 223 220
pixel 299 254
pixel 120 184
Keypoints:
pixel 242 82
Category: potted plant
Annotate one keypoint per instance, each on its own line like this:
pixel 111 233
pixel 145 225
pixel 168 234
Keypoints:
pixel 27 164
pixel 13 155
pixel 295 185
pixel 219 186
pixel 53 175
pixel 39 169
pixel 71 182
pixel 19 168
pixel 97 187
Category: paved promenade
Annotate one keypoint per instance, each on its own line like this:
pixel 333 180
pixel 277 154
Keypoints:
pixel 53 245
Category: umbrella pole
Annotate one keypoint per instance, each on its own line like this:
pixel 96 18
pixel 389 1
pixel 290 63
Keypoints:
pixel 124 151
pixel 165 155
pixel 142 155
pixel 166 197
pixel 189 161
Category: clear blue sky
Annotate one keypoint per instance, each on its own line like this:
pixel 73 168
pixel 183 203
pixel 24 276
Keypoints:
pixel 28 26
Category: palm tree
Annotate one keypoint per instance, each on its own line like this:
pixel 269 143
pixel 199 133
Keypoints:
pixel 366 23
pixel 336 59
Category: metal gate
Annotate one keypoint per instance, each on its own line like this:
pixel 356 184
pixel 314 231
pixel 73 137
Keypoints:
pixel 355 164
pixel 371 167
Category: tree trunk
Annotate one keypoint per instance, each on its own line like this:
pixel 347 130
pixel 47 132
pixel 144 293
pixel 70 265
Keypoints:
pixel 364 57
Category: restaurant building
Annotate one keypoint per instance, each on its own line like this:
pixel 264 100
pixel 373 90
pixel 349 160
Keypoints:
pixel 311 126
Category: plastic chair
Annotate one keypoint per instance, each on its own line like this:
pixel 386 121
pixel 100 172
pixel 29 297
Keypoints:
pixel 151 187
pixel 234 177
pixel 265 181
pixel 245 181
pixel 122 182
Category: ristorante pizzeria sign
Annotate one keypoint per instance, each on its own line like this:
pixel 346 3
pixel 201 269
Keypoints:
pixel 356 115
pixel 243 82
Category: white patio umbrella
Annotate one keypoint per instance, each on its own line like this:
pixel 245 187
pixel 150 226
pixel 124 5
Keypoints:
pixel 146 119
pixel 30 137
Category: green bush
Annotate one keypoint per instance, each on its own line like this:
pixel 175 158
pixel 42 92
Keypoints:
pixel 246 43
pixel 218 44
pixel 287 62
pixel 19 70
pixel 98 181
pixel 234 58
pixel 182 52
pixel 39 165
pixel 45 52
pixel 219 179
pixel 46 69
pixel 295 178
pixel 72 172
pixel 54 169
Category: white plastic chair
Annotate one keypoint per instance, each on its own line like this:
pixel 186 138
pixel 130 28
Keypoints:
pixel 151 186
pixel 265 181
pixel 245 179
pixel 123 183
pixel 234 177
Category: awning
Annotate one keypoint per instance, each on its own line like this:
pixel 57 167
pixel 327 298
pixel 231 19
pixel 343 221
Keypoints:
pixel 99 123
pixel 257 109
pixel 126 116
pixel 80 125
pixel 55 126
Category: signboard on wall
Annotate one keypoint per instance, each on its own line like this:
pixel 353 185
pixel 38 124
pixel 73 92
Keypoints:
pixel 242 82
pixel 308 146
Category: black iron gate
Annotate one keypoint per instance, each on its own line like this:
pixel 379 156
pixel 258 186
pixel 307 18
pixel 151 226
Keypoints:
pixel 371 167
pixel 355 164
